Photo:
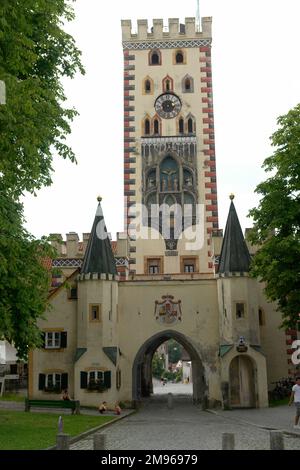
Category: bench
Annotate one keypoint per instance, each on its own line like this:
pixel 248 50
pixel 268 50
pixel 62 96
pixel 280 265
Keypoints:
pixel 73 405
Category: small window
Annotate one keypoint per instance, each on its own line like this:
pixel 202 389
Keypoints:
pixel 147 86
pixel 73 293
pixel 190 126
pixel 147 127
pixel 261 317
pixel 189 268
pixel 179 58
pixel 53 383
pixel 118 379
pixel 187 84
pixel 153 266
pixel 181 126
pixel 240 310
pixel 167 84
pixel 188 265
pixel 156 126
pixel 94 312
pixel 52 340
pixel 154 58
pixel 95 379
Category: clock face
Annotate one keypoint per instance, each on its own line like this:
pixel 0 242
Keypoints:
pixel 168 105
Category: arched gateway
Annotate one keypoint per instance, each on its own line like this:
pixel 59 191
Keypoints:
pixel 142 366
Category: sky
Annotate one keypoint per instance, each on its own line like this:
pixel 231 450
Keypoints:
pixel 256 78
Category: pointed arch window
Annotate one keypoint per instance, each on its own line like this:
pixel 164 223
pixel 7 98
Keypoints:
pixel 167 84
pixel 191 126
pixel 147 126
pixel 187 84
pixel 181 126
pixel 147 86
pixel 155 57
pixel 156 127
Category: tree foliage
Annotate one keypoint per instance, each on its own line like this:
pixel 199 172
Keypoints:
pixel 174 351
pixel 158 365
pixel 35 54
pixel 24 279
pixel 277 220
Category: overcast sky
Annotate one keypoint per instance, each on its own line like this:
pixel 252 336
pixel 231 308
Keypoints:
pixel 256 78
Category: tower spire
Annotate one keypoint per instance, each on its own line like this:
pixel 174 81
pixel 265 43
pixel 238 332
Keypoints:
pixel 198 17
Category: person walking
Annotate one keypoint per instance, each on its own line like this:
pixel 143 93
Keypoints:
pixel 295 397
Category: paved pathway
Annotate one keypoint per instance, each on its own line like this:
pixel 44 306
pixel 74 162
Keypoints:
pixel 155 427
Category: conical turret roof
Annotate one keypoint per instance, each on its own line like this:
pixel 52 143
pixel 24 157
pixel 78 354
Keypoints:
pixel 99 258
pixel 235 255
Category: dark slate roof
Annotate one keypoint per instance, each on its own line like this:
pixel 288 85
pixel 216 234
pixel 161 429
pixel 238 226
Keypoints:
pixel 235 255
pixel 99 258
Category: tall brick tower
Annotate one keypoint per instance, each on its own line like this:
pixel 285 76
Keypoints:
pixel 169 145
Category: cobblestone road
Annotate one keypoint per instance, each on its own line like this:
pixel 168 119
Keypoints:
pixel 187 427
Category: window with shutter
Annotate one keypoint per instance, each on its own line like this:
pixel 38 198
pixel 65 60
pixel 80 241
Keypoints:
pixel 52 339
pixel 42 381
pixel 64 381
pixel 63 339
pixel 83 379
pixel 107 379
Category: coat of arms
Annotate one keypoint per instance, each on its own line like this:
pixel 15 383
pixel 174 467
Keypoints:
pixel 167 311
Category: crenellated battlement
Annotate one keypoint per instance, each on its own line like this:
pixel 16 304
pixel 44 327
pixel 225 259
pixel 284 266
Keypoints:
pixel 175 30
pixel 73 247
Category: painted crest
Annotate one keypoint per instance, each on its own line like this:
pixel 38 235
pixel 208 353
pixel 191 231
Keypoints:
pixel 167 311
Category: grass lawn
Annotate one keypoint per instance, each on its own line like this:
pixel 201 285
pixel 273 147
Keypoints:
pixel 12 397
pixel 32 431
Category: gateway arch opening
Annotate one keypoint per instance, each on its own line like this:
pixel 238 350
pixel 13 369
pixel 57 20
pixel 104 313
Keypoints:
pixel 149 360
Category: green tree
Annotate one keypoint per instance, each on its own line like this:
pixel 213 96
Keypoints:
pixel 276 228
pixel 35 54
pixel 174 351
pixel 158 365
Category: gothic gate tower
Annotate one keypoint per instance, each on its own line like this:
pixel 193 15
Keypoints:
pixel 169 145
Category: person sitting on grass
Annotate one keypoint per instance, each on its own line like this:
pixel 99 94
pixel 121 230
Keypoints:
pixel 102 408
pixel 117 409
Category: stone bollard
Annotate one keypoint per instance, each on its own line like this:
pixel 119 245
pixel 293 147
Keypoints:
pixel 62 441
pixel 170 401
pixel 99 441
pixel 227 441
pixel 276 440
